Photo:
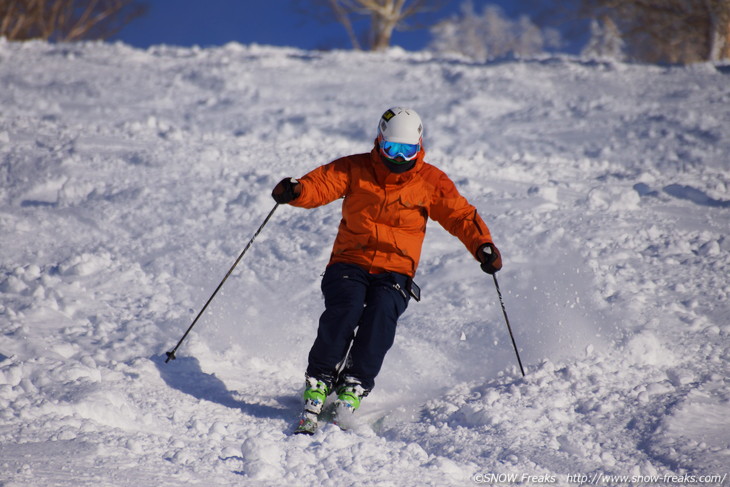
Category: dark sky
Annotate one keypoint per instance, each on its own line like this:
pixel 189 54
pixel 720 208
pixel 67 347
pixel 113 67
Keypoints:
pixel 273 22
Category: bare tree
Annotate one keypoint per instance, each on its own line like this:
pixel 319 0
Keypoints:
pixel 675 31
pixel 341 14
pixel 384 16
pixel 490 34
pixel 605 41
pixel 718 29
pixel 66 20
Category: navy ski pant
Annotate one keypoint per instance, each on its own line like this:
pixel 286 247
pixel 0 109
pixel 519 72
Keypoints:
pixel 356 300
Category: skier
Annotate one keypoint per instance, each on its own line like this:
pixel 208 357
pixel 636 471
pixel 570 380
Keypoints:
pixel 388 195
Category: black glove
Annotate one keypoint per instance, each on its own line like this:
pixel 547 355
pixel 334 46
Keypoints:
pixel 490 258
pixel 287 190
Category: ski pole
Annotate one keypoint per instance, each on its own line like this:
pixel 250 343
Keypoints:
pixel 171 353
pixel 504 311
pixel 341 366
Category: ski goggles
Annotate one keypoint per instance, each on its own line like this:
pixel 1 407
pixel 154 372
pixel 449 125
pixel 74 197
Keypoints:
pixel 391 150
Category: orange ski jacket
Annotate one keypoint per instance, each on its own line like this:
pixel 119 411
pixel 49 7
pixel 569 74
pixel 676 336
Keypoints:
pixel 384 214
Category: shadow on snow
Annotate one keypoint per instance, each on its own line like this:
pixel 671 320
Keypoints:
pixel 695 196
pixel 185 375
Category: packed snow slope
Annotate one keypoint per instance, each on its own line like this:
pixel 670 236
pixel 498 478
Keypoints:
pixel 130 180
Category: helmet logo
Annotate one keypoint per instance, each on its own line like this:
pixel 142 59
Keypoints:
pixel 388 115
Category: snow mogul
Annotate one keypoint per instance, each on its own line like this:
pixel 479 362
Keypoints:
pixel 388 194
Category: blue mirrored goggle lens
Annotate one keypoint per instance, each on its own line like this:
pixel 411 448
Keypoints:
pixel 395 149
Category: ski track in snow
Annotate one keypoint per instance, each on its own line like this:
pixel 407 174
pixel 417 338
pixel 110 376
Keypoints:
pixel 131 179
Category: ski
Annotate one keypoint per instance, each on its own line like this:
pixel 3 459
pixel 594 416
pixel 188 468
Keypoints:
pixel 337 413
pixel 343 415
pixel 308 424
pixel 319 409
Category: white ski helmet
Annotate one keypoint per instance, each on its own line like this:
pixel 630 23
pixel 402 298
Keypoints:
pixel 401 125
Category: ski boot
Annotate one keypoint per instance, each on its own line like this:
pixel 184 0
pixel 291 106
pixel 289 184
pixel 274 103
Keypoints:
pixel 315 394
pixel 349 396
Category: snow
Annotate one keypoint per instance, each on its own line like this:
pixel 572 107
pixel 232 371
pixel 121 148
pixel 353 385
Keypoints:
pixel 131 179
